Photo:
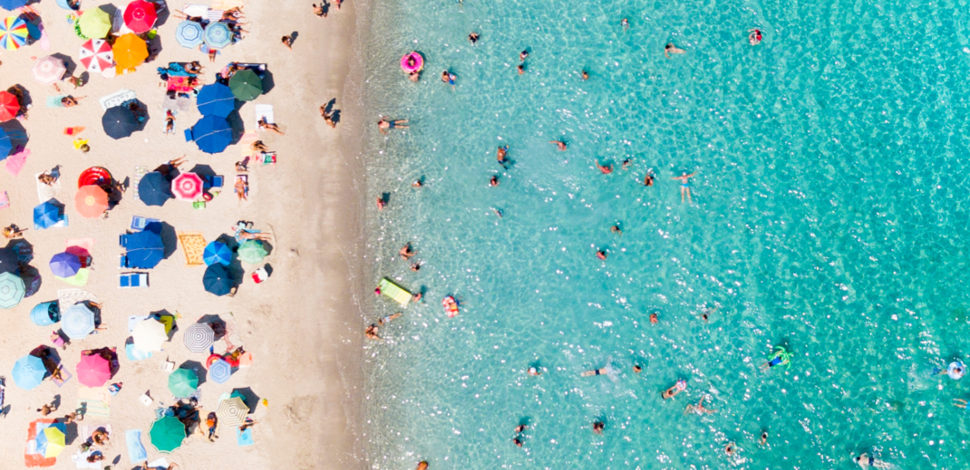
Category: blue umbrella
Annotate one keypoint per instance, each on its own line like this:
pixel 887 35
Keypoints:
pixel 217 35
pixel 65 264
pixel 154 189
pixel 215 100
pixel 216 280
pixel 119 122
pixel 45 313
pixel 63 4
pixel 217 253
pixel 189 33
pixel 211 133
pixel 5 145
pixel 219 371
pixel 12 290
pixel 145 248
pixel 77 321
pixel 12 4
pixel 28 372
pixel 48 214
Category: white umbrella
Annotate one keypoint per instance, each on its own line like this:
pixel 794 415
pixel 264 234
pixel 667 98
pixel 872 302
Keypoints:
pixel 149 335
pixel 49 69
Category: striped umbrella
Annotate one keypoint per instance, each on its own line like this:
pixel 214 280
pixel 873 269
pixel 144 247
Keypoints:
pixel 220 371
pixel 232 411
pixel 49 69
pixel 9 106
pixel 11 290
pixel 13 33
pixel 198 337
pixel 96 55
pixel 189 34
pixel 217 35
pixel 187 186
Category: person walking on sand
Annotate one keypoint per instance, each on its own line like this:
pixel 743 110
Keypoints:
pixel 685 186
pixel 287 41
pixel 385 124
pixel 320 10
pixel 670 48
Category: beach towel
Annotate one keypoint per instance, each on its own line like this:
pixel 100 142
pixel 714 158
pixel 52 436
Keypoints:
pixel 158 463
pixel 117 98
pixel 4 200
pixel 94 402
pixel 136 451
pixel 222 5
pixel 193 244
pixel 135 354
pixel 47 192
pixel 55 101
pixel 136 177
pixel 244 438
pixel 182 84
pixel 263 111
pixel 31 458
pixel 62 376
pixel 14 163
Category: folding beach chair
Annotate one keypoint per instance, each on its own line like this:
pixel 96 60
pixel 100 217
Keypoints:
pixel 117 98
pixel 133 280
pixel 138 222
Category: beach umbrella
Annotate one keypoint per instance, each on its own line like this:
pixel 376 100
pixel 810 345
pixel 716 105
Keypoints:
pixel 130 51
pixel 246 85
pixel 140 16
pixel 183 383
pixel 9 106
pixel 91 201
pixel 94 23
pixel 217 35
pixel 11 290
pixel 28 372
pixel 198 337
pixel 189 34
pixel 187 186
pixel 119 122
pixel 48 214
pixel 232 411
pixel 144 249
pixel 12 4
pixel 5 144
pixel 217 253
pixel 215 99
pixel 216 280
pixel 149 334
pixel 65 264
pixel 49 69
pixel 251 251
pixel 45 313
pixel 93 370
pixel 212 134
pixel 154 189
pixel 167 433
pixel 96 55
pixel 13 33
pixel 77 321
pixel 50 440
pixel 220 371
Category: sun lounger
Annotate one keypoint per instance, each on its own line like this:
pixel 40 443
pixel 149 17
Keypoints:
pixel 138 222
pixel 214 181
pixel 117 98
pixel 133 280
pixel 394 292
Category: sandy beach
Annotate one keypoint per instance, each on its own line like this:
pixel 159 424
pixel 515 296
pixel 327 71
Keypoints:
pixel 302 325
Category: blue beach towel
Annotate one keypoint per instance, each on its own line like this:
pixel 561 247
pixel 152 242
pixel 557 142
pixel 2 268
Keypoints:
pixel 136 451
pixel 244 438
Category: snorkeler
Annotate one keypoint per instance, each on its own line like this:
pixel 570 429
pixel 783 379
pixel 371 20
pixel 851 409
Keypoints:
pixel 781 357
pixel 678 387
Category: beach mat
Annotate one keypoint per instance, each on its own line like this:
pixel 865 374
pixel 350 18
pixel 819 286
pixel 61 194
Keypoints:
pixel 45 192
pixel 31 458
pixel 193 245
pixel 395 292
pixel 263 111
pixel 94 402
pixel 244 438
pixel 136 451
pixel 14 163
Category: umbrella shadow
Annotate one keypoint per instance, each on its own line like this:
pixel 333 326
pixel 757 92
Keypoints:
pixel 70 430
pixel 217 324
pixel 268 82
pixel 162 13
pixel 196 367
pixel 237 125
pixel 15 130
pixel 154 48
pixel 159 314
pixel 249 397
pixel 68 62
pixel 35 26
pixel 229 241
pixel 140 110
pixel 22 249
pixel 169 239
pixel 96 309
pixel 32 279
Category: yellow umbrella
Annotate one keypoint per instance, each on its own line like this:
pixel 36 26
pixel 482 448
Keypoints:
pixel 130 51
pixel 54 438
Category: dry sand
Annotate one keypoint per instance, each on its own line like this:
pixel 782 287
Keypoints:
pixel 302 325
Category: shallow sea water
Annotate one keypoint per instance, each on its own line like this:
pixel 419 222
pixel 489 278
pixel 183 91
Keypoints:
pixel 830 215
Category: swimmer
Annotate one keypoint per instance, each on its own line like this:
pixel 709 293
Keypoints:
pixel 637 369
pixel 959 403
pixel 626 164
pixel 678 387
pixel 698 408
pixel 406 252
pixel 584 75
pixel 729 449
pixel 520 428
pixel 605 169
pixel 448 78
pixel 372 329
pixel 590 373
pixel 517 441
pixel 533 371
pixel 414 76
pixel 601 255
pixel 523 55
pixel 754 36
pixel 473 37
pixel 598 427
pixel 559 144
pixel 670 48
pixel 418 183
pixel 705 314
pixel 625 23
pixel 684 186
pixel 781 357
pixel 493 181
pixel 865 460
pixel 385 124
pixel 422 465
pixel 648 179
pixel 381 203
pixel 415 267
pixel 654 319
pixel 498 212
pixel 416 297
pixel 501 153
pixel 954 370
pixel 521 69
pixel 764 438
pixel 616 229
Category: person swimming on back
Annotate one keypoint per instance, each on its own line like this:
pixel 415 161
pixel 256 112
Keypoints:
pixel 678 387
pixel 590 373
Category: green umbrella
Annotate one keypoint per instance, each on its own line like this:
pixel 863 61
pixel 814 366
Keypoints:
pixel 11 290
pixel 167 434
pixel 246 85
pixel 94 23
pixel 183 382
pixel 252 251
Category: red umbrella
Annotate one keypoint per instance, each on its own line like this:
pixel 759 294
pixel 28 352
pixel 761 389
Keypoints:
pixel 9 106
pixel 187 186
pixel 91 201
pixel 94 175
pixel 93 370
pixel 140 16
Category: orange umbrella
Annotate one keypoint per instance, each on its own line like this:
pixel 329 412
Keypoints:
pixel 91 201
pixel 130 51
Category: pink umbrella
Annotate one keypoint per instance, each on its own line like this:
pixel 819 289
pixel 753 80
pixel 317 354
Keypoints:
pixel 96 55
pixel 93 370
pixel 140 16
pixel 187 186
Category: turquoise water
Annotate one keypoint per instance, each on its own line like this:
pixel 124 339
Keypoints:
pixel 830 213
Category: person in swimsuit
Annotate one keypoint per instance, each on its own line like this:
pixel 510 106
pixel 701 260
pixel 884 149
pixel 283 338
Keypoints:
pixel 764 438
pixel 533 371
pixel 371 331
pixel 754 36
pixel 448 78
pixel 670 48
pixel 605 169
pixel 523 55
pixel 625 23
pixel 685 186
pixel 584 75
pixel 730 448
pixel 406 252
pixel 678 387
pixel 601 254
pixel 865 460
pixel 422 465
pixel 493 181
pixel 698 408
pixel 501 153
pixel 381 202
pixel 590 373
pixel 616 229
pixel 473 37
pixel 637 369
pixel 598 427
pixel 654 319
pixel 559 144
pixel 385 124
pixel 521 69
pixel 648 179
pixel 959 403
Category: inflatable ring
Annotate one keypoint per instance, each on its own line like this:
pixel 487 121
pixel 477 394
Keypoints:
pixel 412 62
pixel 955 370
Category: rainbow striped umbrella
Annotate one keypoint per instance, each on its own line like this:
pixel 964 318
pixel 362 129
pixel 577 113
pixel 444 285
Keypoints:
pixel 13 32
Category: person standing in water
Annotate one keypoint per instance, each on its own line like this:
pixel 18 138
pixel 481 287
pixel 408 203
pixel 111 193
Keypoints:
pixel 685 186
